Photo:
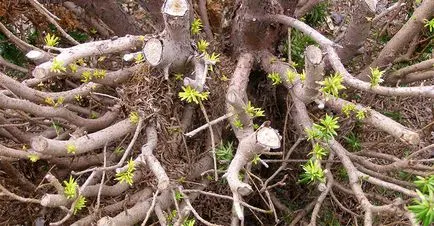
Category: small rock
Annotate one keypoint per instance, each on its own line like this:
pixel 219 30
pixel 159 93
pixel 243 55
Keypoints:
pixel 40 221
pixel 337 18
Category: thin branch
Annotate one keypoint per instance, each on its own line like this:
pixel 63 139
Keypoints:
pixel 148 213
pixel 17 197
pixel 285 163
pixel 187 201
pixel 203 12
pixel 98 197
pixel 50 18
pixel 124 156
pixel 397 5
pixel 12 66
pixel 213 152
pixel 227 197
pixel 213 122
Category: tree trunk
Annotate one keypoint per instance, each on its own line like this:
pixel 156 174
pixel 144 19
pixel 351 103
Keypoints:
pixel 111 14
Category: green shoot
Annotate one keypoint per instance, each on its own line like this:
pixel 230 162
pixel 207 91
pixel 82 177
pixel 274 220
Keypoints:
pixel 134 117
pixel 302 76
pixel 57 66
pixel 181 180
pixel 79 204
pixel 50 101
pixel 196 26
pixel 224 78
pixel 179 76
pixel 361 114
pixel 425 184
pixel 353 142
pixel 254 112
pixel 119 150
pixel 256 159
pixel 51 40
pixel 202 45
pixel 139 58
pixel 325 130
pixel 33 157
pixel 213 59
pixel 57 127
pixel 375 76
pixel 178 196
pixel 299 42
pixel 238 124
pixel 328 126
pixel 317 14
pixel 100 74
pixel 332 85
pixel 255 126
pixel 275 78
pixel 348 108
pixel 312 172
pixel 171 216
pixel 423 207
pixel 70 188
pixel 190 95
pixel 73 67
pixel 395 115
pixel 291 76
pixel 189 222
pixel 78 98
pixel 59 101
pixel 71 148
pixel 81 62
pixel 429 24
pixel 224 152
pixel 127 175
pixel 318 152
pixel 101 58
pixel 313 134
pixel 86 76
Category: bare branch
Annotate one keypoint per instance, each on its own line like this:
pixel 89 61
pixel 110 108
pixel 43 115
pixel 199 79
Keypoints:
pixel 85 143
pixel 404 36
pixel 379 121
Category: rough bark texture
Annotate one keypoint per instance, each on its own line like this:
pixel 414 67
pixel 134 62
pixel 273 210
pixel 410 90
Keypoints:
pixel 358 29
pixel 304 7
pixel 246 26
pixel 314 66
pixel 112 14
pixel 153 7
pixel 175 48
pixel 401 39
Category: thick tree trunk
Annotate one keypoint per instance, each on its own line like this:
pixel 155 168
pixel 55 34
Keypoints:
pixel 358 29
pixel 246 26
pixel 401 39
pixel 111 13
pixel 153 7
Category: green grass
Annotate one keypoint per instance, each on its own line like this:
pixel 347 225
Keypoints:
pixel 79 36
pixel 353 142
pixel 328 219
pixel 10 52
pixel 395 115
pixel 299 42
pixel 317 15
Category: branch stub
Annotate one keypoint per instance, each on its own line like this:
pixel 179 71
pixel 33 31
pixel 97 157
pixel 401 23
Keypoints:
pixel 175 7
pixel 153 51
pixel 268 137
